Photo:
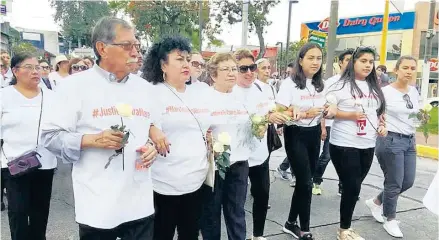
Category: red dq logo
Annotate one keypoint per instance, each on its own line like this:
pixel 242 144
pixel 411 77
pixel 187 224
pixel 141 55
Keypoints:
pixel 324 25
pixel 433 64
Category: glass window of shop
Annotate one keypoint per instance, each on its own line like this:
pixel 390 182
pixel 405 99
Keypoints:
pixel 432 85
pixel 394 42
pixel 434 51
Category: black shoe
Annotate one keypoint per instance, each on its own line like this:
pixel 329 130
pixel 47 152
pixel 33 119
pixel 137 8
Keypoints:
pixel 293 229
pixel 3 207
pixel 306 236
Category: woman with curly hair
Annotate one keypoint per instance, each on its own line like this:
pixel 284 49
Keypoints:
pixel 180 172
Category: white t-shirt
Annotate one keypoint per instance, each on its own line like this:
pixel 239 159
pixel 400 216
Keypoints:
pixel 344 132
pixel 257 100
pixel 397 113
pixel 19 125
pixel 268 90
pixel 328 84
pixel 231 116
pixel 184 169
pixel 55 79
pixel 106 198
pixel 307 98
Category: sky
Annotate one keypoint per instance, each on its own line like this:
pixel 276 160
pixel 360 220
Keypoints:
pixel 38 14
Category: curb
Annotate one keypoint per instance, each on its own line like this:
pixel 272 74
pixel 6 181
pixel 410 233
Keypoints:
pixel 427 152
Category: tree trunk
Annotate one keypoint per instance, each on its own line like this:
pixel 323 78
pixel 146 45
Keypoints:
pixel 259 32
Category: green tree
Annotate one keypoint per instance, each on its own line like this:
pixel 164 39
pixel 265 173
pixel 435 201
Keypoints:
pixel 155 19
pixel 257 17
pixel 24 47
pixel 77 18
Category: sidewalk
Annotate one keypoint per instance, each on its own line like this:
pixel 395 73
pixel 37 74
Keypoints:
pixel 427 149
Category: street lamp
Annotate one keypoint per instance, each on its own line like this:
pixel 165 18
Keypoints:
pixel 288 30
pixel 280 59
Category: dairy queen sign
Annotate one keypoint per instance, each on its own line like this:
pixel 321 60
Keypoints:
pixel 433 65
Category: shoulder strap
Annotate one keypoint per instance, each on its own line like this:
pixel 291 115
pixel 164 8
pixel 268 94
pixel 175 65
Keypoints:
pixel 259 87
pixel 193 115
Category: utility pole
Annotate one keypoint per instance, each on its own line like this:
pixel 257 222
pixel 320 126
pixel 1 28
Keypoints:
pixel 290 5
pixel 427 56
pixel 244 35
pixel 200 22
pixel 383 51
pixel 332 39
pixel 279 63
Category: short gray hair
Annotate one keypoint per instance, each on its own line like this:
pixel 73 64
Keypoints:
pixel 105 31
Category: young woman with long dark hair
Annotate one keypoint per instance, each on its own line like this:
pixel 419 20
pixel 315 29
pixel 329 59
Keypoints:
pixel 303 95
pixel 396 152
pixel 358 121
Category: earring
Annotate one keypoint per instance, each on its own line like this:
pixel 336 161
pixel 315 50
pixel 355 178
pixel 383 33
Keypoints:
pixel 164 76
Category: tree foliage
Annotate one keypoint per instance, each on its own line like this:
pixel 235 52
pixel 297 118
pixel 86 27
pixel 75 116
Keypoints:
pixel 155 19
pixel 231 11
pixel 77 18
pixel 24 47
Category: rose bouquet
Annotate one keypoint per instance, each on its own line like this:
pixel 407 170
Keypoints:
pixel 259 125
pixel 423 116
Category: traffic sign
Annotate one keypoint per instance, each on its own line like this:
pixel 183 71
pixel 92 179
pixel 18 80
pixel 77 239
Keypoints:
pixel 318 39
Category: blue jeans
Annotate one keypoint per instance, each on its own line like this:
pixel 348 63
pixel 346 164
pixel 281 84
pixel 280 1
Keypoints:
pixel 230 193
pixel 323 161
pixel 396 154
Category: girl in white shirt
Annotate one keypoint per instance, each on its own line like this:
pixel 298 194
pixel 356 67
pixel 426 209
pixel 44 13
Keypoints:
pixel 229 115
pixel 179 174
pixel 304 93
pixel 24 106
pixel 360 103
pixel 396 152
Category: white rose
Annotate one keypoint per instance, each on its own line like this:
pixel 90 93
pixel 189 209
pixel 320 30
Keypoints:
pixel 218 147
pixel 273 107
pixel 224 138
pixel 427 107
pixel 331 98
pixel 256 119
pixel 124 110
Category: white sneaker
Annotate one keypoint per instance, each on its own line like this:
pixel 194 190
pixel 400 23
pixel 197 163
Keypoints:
pixel 392 228
pixel 258 238
pixel 376 210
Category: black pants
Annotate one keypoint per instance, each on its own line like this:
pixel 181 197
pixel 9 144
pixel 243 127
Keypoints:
pixel 4 177
pixel 260 190
pixel 230 194
pixel 28 204
pixel 182 212
pixel 302 145
pixel 323 161
pixel 352 166
pixel 134 230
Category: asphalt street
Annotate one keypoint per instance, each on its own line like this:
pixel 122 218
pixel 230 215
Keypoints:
pixel 416 221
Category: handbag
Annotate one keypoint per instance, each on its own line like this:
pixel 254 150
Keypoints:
pixel 273 139
pixel 29 161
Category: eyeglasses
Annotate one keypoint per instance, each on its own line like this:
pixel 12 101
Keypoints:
pixel 45 67
pixel 127 46
pixel 408 102
pixel 30 67
pixel 244 68
pixel 197 64
pixel 76 67
pixel 226 69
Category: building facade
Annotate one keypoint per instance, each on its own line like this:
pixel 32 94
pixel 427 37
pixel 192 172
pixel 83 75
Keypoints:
pixel 406 36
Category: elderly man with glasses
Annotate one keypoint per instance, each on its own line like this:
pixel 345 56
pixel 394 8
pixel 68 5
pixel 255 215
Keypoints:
pixel 103 129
